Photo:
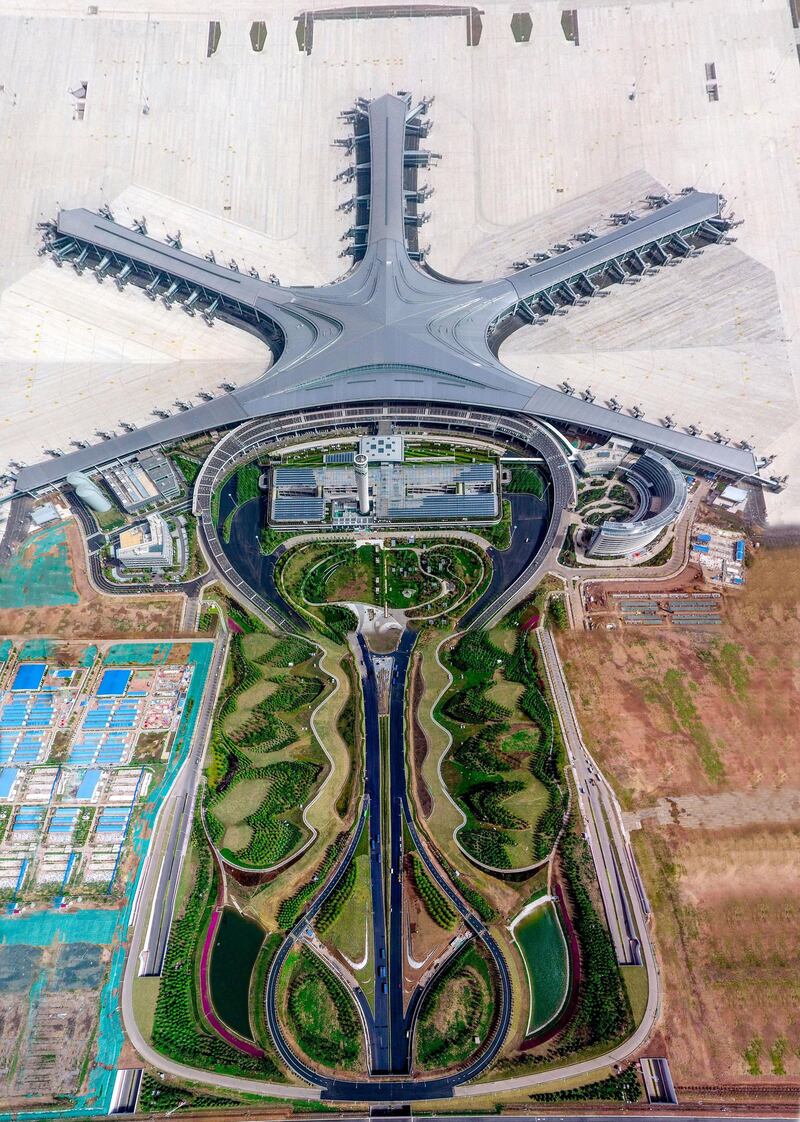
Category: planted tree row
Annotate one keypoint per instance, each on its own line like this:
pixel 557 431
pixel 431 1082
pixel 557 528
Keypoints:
pixel 435 903
pixel 290 651
pixel 487 845
pixel 545 762
pixel 479 754
pixel 291 908
pixel 294 692
pixel 472 707
pixel 273 837
pixel 333 905
pixel 624 1087
pixel 485 800
pixel 158 1097
pixel 603 1014
pixel 247 483
pixel 177 1031
pixel 470 894
pixel 525 481
pixel 476 652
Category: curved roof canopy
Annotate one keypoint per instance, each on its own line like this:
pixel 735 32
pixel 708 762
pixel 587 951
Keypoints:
pixel 389 331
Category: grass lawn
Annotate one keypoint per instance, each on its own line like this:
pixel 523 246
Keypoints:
pixel 320 1013
pixel 635 979
pixel 354 578
pixel 351 932
pixel 145 993
pixel 239 800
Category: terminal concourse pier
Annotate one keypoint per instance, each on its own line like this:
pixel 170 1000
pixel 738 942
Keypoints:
pixel 391 331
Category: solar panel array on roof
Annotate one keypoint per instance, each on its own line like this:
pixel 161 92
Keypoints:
pixel 446 506
pixel 339 457
pixel 298 508
pixel 295 476
pixel 474 473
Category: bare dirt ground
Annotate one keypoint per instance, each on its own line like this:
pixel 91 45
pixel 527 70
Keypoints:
pixel 96 615
pixel 695 713
pixel 727 906
pixel 700 734
pixel 425 939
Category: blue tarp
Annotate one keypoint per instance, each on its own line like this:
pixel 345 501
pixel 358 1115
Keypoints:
pixel 29 676
pixel 113 682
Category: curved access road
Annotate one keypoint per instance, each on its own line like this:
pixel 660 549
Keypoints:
pixel 624 900
pixel 392 1027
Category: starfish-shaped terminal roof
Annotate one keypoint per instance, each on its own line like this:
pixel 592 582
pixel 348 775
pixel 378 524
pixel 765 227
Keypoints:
pixel 391 330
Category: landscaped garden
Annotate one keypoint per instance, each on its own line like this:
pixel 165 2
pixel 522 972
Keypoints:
pixel 426 580
pixel 458 1011
pixel 504 765
pixel 265 762
pixel 318 1012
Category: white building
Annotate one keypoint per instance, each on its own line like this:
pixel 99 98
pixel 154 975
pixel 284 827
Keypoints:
pixel 146 546
pixel 382 449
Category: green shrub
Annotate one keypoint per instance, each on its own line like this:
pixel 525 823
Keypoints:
pixel 525 480
pixel 623 1087
pixel 435 903
pixel 332 907
pixel 291 908
pixel 247 483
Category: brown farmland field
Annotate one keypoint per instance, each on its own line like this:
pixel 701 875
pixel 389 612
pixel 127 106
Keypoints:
pixel 697 712
pixel 686 713
pixel 727 906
